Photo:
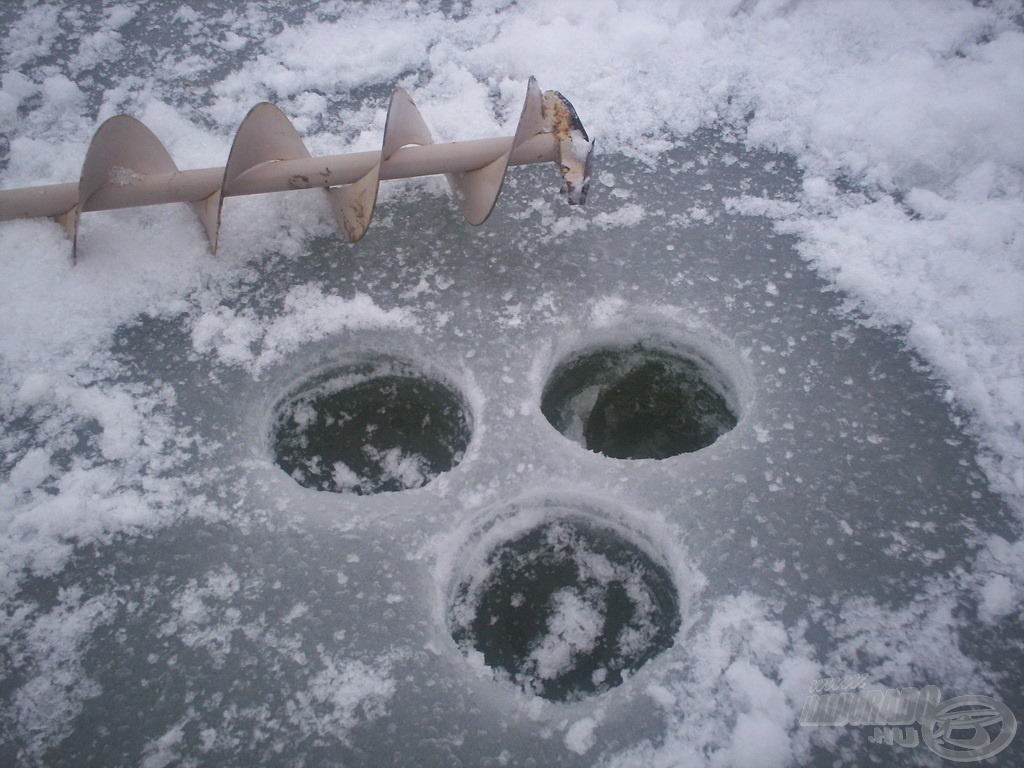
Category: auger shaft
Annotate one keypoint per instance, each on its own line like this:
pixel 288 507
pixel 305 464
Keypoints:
pixel 54 200
pixel 126 166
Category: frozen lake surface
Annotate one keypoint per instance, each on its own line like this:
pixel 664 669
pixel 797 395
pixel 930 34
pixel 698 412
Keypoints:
pixel 173 596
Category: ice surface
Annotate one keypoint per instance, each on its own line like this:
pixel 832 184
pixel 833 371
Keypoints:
pixel 831 194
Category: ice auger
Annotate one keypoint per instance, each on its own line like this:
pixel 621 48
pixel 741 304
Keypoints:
pixel 126 165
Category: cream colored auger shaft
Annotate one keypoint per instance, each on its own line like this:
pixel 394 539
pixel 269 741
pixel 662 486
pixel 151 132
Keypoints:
pixel 54 200
pixel 127 166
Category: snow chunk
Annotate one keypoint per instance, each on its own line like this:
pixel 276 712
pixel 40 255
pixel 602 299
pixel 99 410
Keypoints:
pixel 343 694
pixel 999 597
pixel 747 670
pixel 242 338
pixel 574 626
pixel 580 736
pixel 626 216
pixel 165 750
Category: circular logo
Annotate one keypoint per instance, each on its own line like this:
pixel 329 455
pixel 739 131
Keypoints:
pixel 957 729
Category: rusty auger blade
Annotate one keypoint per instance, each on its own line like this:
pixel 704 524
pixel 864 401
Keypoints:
pixel 126 166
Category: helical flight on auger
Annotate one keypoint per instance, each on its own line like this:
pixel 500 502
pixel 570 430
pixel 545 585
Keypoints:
pixel 126 166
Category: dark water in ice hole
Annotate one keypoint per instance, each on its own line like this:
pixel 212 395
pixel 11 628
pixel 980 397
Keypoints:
pixel 637 403
pixel 388 432
pixel 531 577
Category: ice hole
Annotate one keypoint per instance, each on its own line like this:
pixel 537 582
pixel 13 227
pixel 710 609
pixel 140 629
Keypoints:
pixel 566 609
pixel 370 428
pixel 639 402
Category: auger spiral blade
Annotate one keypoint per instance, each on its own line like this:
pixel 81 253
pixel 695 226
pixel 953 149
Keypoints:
pixel 121 150
pixel 126 165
